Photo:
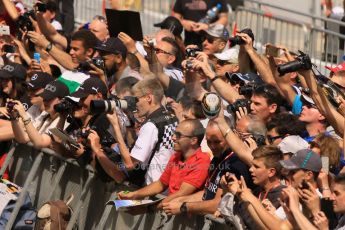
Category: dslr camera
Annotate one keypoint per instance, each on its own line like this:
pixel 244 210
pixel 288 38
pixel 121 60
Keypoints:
pixel 232 108
pixel 10 106
pixel 247 90
pixel 24 21
pixel 86 67
pixel 109 105
pixel 66 106
pixel 192 52
pixel 237 40
pixel 302 62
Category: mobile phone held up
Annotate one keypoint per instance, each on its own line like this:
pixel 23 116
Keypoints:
pixel 9 48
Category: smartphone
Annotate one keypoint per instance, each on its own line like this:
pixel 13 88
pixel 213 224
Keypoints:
pixel 272 51
pixel 41 7
pixel 9 48
pixel 4 30
pixel 305 185
pixel 325 163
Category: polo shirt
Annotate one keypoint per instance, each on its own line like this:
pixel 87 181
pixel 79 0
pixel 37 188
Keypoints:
pixel 192 171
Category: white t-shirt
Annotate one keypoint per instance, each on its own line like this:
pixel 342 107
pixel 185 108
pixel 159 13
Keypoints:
pixel 144 145
pixel 56 25
pixel 174 73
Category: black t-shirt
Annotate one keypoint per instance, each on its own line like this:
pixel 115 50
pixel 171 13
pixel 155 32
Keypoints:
pixel 101 125
pixel 175 90
pixel 195 10
pixel 272 195
pixel 228 162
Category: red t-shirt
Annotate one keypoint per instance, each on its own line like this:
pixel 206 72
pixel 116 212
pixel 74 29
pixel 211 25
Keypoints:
pixel 193 171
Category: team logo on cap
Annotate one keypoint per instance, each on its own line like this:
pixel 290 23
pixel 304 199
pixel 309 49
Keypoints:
pixel 50 88
pixel 8 68
pixel 34 77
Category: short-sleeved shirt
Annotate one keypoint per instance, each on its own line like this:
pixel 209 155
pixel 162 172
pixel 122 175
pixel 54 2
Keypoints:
pixel 195 10
pixel 297 105
pixel 227 162
pixel 175 89
pixel 192 171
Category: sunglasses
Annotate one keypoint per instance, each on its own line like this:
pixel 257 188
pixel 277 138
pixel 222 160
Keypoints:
pixel 179 135
pixel 272 139
pixel 160 51
pixel 209 39
pixel 223 63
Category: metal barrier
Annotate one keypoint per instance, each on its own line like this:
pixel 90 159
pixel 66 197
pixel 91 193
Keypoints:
pixel 45 175
pixel 325 47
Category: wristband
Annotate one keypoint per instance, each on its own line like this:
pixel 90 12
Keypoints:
pixel 227 132
pixel 49 47
pixel 215 78
pixel 135 52
pixel 27 121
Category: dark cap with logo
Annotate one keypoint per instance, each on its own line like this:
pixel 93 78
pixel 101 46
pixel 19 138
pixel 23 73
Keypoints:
pixel 13 70
pixel 303 159
pixel 171 23
pixel 93 85
pixel 39 80
pixel 53 90
pixel 112 45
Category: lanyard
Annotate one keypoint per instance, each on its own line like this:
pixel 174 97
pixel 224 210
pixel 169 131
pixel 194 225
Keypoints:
pixel 217 169
pixel 266 193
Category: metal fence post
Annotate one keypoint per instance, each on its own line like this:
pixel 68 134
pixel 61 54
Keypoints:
pixel 80 202
pixel 24 191
pixel 8 159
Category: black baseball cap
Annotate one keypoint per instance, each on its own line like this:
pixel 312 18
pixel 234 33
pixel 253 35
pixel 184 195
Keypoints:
pixel 171 23
pixel 54 89
pixel 39 80
pixel 112 45
pixel 13 70
pixel 93 85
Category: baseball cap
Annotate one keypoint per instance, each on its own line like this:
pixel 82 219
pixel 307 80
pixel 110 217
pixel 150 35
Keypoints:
pixel 292 144
pixel 218 31
pixel 306 100
pixel 54 89
pixel 248 78
pixel 336 68
pixel 93 85
pixel 230 55
pixel 303 159
pixel 13 70
pixel 171 23
pixel 112 45
pixel 39 80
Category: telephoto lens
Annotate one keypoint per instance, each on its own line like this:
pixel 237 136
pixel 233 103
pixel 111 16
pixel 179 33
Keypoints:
pixel 107 106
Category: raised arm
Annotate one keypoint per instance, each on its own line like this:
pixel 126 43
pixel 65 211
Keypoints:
pixel 63 58
pixel 50 32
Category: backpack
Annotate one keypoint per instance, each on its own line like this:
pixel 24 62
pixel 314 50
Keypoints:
pixel 54 215
pixel 26 216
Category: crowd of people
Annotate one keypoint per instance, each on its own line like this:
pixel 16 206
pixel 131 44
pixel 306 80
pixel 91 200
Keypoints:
pixel 254 138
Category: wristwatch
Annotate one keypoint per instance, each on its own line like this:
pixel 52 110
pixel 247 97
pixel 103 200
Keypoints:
pixel 183 207
pixel 49 47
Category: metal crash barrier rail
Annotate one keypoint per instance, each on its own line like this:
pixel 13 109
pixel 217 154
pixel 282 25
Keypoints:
pixel 45 175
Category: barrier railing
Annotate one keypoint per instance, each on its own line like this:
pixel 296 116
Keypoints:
pixel 45 175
